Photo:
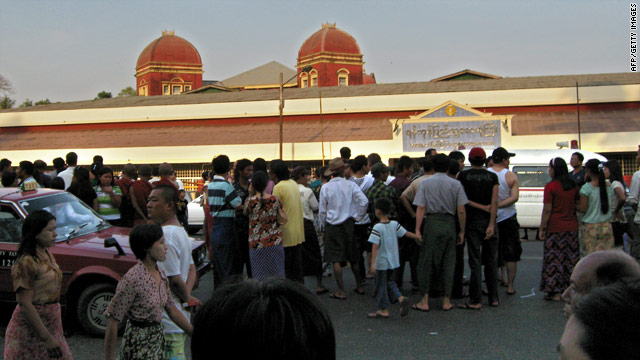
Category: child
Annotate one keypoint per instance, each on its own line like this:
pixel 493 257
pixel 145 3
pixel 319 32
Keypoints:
pixel 182 211
pixel 384 258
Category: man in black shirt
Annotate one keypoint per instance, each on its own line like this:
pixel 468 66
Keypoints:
pixel 241 177
pixel 481 187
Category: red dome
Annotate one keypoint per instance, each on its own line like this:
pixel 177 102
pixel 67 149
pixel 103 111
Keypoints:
pixel 329 39
pixel 169 48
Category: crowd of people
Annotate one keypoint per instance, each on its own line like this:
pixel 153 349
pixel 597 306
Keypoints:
pixel 267 222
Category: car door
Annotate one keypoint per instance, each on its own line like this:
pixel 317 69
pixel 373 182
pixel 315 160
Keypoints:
pixel 10 234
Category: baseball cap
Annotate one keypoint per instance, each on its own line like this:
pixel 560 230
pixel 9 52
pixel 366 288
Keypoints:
pixel 477 153
pixel 500 154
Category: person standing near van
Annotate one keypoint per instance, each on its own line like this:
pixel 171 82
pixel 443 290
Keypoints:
pixel 559 231
pixel 509 248
pixel 596 232
pixel 578 173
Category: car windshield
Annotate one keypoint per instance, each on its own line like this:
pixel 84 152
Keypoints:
pixel 73 217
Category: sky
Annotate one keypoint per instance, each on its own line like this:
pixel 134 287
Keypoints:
pixel 70 50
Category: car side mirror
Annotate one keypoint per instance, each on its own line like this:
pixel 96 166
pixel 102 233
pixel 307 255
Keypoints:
pixel 111 242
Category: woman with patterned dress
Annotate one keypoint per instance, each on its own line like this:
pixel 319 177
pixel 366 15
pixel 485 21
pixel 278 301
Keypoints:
pixel 559 231
pixel 266 252
pixel 109 196
pixel 35 330
pixel 141 295
pixel 596 232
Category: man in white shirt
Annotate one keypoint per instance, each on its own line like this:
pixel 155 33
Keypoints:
pixel 67 174
pixel 178 266
pixel 341 201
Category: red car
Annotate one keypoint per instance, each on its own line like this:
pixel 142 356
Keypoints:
pixel 92 254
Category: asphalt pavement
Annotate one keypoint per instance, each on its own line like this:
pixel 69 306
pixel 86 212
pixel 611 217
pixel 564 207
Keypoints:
pixel 524 326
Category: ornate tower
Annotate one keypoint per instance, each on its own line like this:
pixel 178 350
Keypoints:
pixel 168 65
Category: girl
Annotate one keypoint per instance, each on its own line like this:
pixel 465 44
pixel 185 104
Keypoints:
pixel 596 232
pixel 266 214
pixel 559 231
pixel 613 173
pixel 109 196
pixel 35 330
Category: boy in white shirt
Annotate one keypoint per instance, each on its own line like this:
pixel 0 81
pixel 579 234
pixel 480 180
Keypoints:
pixel 385 258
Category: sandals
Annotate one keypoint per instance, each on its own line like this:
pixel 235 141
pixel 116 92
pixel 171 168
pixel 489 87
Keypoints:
pixel 511 292
pixel 322 291
pixel 334 296
pixel 449 308
pixel 377 315
pixel 415 307
pixel 468 306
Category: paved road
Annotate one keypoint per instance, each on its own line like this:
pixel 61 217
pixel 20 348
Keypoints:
pixel 523 327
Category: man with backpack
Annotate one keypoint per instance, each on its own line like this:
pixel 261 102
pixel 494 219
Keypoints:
pixel 127 212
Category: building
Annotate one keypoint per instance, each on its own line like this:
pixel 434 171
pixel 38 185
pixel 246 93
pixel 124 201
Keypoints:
pixel 169 65
pixel 390 119
pixel 335 57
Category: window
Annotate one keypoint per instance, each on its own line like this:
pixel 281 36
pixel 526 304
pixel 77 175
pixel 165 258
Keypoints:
pixel 343 77
pixel 187 88
pixel 305 83
pixel 532 176
pixel 10 226
pixel 314 81
pixel 165 90
pixel 143 91
pixel 176 89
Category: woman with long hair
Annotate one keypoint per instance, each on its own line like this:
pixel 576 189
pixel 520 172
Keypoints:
pixel 82 189
pixel 35 329
pixel 266 252
pixel 109 196
pixel 559 230
pixel 613 173
pixel 596 232
pixel 141 296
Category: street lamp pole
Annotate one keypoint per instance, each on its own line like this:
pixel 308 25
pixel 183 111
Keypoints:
pixel 281 104
pixel 280 107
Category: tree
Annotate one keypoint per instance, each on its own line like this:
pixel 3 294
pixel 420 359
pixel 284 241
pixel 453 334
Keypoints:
pixel 42 102
pixel 103 95
pixel 5 86
pixel 26 103
pixel 6 102
pixel 128 91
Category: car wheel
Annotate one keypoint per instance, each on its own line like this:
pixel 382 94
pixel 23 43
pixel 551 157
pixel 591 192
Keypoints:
pixel 92 303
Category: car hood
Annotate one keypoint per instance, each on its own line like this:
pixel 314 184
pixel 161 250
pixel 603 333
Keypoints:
pixel 95 241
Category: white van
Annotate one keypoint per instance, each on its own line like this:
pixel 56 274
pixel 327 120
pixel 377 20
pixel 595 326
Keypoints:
pixel 531 166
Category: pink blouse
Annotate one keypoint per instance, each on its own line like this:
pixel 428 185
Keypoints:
pixel 139 296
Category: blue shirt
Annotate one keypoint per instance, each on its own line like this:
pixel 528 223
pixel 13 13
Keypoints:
pixel 386 235
pixel 222 198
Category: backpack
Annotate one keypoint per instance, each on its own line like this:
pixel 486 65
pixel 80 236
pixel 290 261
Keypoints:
pixel 127 211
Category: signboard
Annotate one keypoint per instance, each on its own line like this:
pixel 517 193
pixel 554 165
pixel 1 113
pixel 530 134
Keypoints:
pixel 448 135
